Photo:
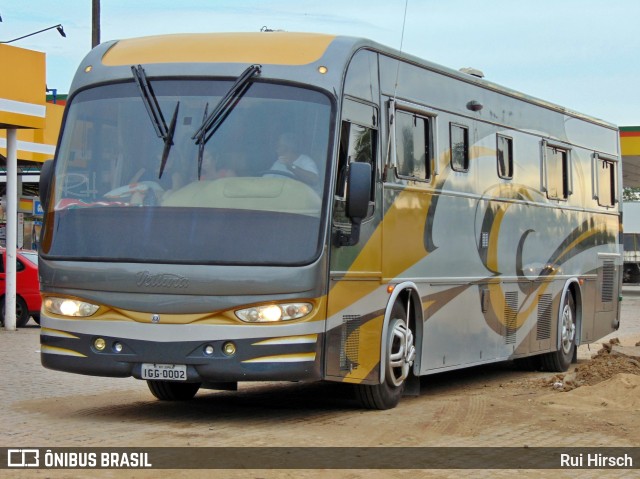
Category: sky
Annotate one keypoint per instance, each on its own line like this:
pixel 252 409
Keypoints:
pixel 581 54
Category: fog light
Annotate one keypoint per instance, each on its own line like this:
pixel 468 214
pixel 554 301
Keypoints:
pixel 99 344
pixel 208 350
pixel 229 349
pixel 117 347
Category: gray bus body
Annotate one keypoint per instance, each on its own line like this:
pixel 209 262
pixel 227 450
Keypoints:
pixel 477 225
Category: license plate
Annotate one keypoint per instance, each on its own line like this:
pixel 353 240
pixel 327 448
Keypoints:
pixel 164 372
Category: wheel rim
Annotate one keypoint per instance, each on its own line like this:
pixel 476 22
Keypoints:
pixel 401 353
pixel 19 311
pixel 568 329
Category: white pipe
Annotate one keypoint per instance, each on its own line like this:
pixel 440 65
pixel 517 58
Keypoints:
pixel 11 228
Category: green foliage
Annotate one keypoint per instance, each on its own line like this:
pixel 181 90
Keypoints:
pixel 631 194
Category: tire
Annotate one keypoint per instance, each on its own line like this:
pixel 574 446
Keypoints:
pixel 559 361
pixel 22 312
pixel 173 391
pixel 397 362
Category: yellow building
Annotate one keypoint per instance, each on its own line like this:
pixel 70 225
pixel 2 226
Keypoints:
pixel 630 150
pixel 23 106
pixel 34 124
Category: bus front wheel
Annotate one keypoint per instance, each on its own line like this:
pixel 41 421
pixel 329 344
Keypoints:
pixel 397 361
pixel 173 391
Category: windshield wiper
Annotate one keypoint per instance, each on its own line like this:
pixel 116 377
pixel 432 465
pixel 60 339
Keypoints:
pixel 212 122
pixel 155 113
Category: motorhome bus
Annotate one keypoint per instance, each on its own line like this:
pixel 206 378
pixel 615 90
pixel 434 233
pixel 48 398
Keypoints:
pixel 298 207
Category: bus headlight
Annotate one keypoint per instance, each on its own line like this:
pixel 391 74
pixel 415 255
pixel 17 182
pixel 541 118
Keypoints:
pixel 274 312
pixel 69 307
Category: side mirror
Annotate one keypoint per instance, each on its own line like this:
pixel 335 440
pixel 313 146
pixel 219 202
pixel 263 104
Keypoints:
pixel 46 175
pixel 358 190
pixel 357 201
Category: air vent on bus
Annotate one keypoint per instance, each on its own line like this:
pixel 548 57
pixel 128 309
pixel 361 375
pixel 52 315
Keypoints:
pixel 350 342
pixel 544 317
pixel 608 276
pixel 511 316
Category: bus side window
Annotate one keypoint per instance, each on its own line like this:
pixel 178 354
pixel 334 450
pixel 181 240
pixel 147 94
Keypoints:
pixel 412 146
pixel 504 153
pixel 459 137
pixel 557 168
pixel 606 182
pixel 343 160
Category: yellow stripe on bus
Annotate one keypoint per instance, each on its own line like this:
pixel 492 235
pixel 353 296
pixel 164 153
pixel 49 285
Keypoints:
pixel 309 338
pixel 56 333
pixel 404 231
pixel 276 48
pixel 284 358
pixel 61 351
pixel 494 237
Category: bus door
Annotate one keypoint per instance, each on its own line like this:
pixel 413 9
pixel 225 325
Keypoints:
pixel 354 318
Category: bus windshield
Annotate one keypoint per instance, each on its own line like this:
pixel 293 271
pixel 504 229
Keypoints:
pixel 251 194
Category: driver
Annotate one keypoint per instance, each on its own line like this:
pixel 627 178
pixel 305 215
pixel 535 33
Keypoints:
pixel 300 166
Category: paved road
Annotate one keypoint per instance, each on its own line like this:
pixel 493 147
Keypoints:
pixel 44 408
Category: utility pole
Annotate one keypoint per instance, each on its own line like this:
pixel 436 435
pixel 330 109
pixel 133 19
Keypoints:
pixel 12 228
pixel 95 23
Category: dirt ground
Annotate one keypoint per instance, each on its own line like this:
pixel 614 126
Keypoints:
pixel 612 363
pixel 595 404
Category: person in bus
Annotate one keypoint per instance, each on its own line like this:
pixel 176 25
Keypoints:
pixel 214 168
pixel 300 166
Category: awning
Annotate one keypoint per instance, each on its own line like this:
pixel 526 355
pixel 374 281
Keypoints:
pixel 37 145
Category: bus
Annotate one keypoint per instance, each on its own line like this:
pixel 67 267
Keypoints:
pixel 279 206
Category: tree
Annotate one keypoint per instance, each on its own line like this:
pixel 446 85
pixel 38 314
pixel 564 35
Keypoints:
pixel 630 193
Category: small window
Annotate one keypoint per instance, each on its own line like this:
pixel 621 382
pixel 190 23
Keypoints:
pixel 504 152
pixel 459 148
pixel 606 182
pixel 19 265
pixel 361 80
pixel 412 144
pixel 557 172
pixel 357 143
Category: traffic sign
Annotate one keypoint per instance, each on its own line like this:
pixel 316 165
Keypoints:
pixel 37 208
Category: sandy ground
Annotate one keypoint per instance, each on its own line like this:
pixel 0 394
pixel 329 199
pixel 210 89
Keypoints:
pixel 596 404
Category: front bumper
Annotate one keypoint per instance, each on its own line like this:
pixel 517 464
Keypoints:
pixel 295 353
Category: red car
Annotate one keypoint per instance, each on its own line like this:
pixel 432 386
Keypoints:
pixel 28 298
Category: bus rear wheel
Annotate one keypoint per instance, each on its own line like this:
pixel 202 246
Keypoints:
pixel 173 391
pixel 559 361
pixel 398 360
